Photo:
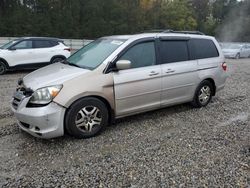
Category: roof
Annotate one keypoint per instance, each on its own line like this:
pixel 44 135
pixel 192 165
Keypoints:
pixel 40 38
pixel 158 34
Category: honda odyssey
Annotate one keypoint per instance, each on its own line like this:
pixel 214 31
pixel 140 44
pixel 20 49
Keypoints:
pixel 119 76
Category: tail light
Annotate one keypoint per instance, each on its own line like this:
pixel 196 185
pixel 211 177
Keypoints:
pixel 68 49
pixel 224 66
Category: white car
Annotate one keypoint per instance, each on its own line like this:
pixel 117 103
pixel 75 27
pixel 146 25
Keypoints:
pixel 236 50
pixel 32 52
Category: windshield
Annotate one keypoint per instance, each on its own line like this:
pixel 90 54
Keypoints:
pixel 233 46
pixel 92 55
pixel 6 46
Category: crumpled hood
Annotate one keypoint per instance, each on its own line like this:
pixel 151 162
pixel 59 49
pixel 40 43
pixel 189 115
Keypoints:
pixel 54 74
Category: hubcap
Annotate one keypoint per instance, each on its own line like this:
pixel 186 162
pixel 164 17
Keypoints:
pixel 88 118
pixel 204 94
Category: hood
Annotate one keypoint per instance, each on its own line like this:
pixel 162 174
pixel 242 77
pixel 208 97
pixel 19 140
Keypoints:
pixel 54 74
pixel 230 50
pixel 2 50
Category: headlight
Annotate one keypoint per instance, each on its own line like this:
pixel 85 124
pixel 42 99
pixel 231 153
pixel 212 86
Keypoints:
pixel 45 95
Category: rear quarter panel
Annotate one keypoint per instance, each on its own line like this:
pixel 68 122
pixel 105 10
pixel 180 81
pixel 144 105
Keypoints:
pixel 212 68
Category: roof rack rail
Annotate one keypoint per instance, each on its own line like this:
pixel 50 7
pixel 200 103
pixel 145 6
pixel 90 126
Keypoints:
pixel 188 32
pixel 158 31
pixel 173 31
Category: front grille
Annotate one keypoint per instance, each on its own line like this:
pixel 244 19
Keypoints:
pixel 21 93
pixel 15 103
pixel 25 125
pixel 17 99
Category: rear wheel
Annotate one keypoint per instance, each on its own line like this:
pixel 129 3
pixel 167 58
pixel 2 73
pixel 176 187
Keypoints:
pixel 203 94
pixel 57 59
pixel 86 118
pixel 3 68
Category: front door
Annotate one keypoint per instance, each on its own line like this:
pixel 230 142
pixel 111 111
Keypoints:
pixel 21 53
pixel 139 88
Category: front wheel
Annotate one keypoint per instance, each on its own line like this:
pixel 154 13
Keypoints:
pixel 86 118
pixel 237 56
pixel 203 94
pixel 3 68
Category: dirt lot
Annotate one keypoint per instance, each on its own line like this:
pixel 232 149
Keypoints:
pixel 177 146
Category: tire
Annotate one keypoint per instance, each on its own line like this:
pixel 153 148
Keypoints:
pixel 237 56
pixel 3 68
pixel 86 118
pixel 57 59
pixel 203 94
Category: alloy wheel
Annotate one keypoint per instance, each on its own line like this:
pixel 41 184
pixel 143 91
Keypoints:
pixel 204 94
pixel 88 119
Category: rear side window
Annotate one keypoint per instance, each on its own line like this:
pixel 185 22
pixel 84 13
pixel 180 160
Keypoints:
pixel 202 48
pixel 141 55
pixel 42 44
pixel 173 51
pixel 54 43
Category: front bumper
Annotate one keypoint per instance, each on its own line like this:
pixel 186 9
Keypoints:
pixel 43 122
pixel 229 55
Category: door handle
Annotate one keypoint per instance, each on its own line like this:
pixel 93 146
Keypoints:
pixel 170 71
pixel 153 73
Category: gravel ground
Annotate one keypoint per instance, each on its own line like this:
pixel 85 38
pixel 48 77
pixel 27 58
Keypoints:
pixel 173 147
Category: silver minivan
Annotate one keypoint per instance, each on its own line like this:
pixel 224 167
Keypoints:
pixel 119 76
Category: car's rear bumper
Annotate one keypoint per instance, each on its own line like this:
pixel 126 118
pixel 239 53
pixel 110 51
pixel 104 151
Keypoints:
pixel 43 122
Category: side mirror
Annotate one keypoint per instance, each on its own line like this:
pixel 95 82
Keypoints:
pixel 12 48
pixel 123 64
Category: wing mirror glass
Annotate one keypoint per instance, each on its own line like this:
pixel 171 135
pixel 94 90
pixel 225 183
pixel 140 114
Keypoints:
pixel 123 64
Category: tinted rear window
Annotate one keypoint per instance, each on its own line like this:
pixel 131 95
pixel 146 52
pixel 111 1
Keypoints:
pixel 42 44
pixel 54 43
pixel 202 48
pixel 173 51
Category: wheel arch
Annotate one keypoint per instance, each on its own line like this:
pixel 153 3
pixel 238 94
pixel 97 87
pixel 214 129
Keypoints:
pixel 238 55
pixel 57 56
pixel 211 80
pixel 5 62
pixel 111 112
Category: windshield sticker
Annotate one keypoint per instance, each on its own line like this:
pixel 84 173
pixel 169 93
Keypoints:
pixel 116 42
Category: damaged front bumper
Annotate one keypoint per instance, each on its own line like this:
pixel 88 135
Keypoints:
pixel 43 122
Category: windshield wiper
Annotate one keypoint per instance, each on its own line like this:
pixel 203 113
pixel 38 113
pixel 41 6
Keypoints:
pixel 71 64
pixel 75 65
pixel 64 61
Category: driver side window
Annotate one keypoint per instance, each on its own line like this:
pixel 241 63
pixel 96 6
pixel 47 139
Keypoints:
pixel 140 55
pixel 26 44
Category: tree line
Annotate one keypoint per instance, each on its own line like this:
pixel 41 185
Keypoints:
pixel 95 18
